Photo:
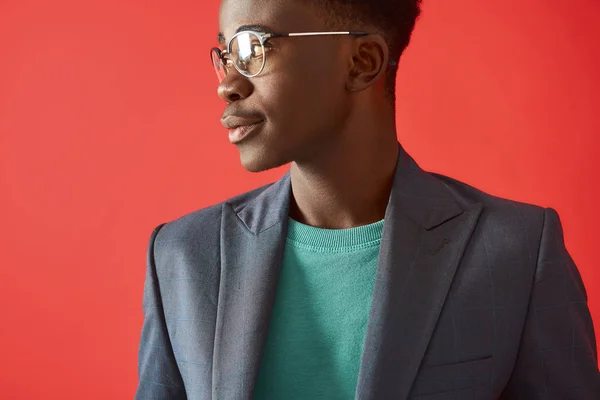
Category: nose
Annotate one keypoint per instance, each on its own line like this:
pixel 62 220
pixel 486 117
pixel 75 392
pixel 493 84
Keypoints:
pixel 234 86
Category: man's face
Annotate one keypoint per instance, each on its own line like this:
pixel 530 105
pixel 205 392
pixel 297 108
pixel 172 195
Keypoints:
pixel 300 93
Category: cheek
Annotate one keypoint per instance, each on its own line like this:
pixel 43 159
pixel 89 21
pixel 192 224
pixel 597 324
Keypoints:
pixel 302 95
pixel 302 98
pixel 299 106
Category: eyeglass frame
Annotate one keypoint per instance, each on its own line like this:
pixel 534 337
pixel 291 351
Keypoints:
pixel 264 36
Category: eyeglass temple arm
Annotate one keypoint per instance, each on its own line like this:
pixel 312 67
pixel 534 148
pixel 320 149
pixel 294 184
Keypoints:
pixel 267 36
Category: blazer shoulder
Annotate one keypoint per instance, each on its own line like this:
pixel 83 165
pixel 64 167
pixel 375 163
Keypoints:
pixel 494 206
pixel 206 220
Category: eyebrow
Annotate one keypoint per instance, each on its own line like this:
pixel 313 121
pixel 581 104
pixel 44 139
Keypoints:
pixel 251 27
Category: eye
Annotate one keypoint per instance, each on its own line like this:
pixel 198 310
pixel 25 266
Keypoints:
pixel 256 50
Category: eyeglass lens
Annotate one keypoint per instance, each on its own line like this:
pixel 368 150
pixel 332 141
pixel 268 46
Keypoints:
pixel 246 55
pixel 220 69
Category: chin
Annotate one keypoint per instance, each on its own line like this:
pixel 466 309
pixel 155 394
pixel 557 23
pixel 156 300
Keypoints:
pixel 258 160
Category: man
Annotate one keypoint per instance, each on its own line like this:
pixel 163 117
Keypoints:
pixel 357 274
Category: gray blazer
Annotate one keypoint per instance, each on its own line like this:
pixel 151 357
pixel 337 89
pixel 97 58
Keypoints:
pixel 476 297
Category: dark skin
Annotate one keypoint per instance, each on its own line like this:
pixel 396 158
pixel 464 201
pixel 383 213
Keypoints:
pixel 325 111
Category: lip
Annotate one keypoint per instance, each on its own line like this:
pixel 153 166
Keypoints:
pixel 239 133
pixel 232 121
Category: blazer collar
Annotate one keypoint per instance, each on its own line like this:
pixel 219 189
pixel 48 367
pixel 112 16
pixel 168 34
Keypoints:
pixel 424 235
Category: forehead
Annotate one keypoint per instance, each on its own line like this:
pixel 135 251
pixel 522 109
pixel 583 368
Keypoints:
pixel 265 16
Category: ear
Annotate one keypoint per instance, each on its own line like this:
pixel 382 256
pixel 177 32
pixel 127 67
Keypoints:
pixel 369 62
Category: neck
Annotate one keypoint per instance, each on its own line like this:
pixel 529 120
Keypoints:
pixel 349 183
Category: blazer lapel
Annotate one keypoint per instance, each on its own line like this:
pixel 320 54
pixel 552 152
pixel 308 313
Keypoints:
pixel 252 243
pixel 424 235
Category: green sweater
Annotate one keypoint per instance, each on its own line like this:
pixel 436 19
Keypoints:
pixel 317 329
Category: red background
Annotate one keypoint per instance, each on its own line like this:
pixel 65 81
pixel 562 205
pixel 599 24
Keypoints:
pixel 109 125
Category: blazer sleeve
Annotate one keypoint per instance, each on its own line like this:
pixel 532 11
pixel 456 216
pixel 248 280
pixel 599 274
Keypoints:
pixel 158 374
pixel 557 356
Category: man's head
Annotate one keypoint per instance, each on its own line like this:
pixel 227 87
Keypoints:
pixel 312 87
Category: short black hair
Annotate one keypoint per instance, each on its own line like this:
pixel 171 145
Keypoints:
pixel 394 20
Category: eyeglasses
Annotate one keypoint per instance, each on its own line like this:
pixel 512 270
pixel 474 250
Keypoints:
pixel 246 50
